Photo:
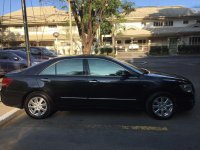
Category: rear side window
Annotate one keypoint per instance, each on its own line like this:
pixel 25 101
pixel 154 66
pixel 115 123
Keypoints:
pixel 65 67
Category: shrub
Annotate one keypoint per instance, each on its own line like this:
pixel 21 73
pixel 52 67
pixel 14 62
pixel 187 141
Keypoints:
pixel 159 50
pixel 106 50
pixel 189 49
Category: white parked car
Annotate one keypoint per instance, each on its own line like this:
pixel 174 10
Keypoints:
pixel 133 46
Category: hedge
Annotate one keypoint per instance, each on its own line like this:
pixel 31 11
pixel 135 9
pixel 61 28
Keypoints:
pixel 106 50
pixel 159 50
pixel 189 49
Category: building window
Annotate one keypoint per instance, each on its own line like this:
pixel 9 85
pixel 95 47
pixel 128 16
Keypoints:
pixel 144 23
pixel 158 23
pixel 18 27
pixel 169 23
pixel 52 26
pixel 119 42
pixel 185 21
pixel 142 41
pixel 194 40
pixel 127 41
pixel 34 29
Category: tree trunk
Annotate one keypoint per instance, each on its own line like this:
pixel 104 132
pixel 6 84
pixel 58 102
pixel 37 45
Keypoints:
pixel 87 42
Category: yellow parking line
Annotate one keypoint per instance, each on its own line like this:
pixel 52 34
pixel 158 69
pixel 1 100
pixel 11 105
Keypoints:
pixel 144 128
pixel 128 127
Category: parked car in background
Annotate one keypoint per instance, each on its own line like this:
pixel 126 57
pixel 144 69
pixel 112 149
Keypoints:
pixel 14 60
pixel 37 52
pixel 134 46
pixel 79 82
pixel 57 53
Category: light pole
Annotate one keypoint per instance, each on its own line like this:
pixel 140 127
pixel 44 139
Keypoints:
pixel 23 3
pixel 56 35
pixel 70 24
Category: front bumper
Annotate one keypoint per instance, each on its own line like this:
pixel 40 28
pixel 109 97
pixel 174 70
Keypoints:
pixel 185 101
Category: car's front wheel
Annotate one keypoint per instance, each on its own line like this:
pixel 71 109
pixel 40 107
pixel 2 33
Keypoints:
pixel 38 105
pixel 161 106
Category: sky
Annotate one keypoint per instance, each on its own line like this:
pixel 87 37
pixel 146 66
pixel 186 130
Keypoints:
pixel 5 6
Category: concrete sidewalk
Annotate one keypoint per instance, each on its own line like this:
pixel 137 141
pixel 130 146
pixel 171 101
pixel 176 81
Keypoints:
pixel 4 109
pixel 7 113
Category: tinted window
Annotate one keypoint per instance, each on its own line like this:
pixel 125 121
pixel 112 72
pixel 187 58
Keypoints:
pixel 65 67
pixel 48 52
pixel 100 67
pixel 5 55
pixel 35 51
pixel 51 70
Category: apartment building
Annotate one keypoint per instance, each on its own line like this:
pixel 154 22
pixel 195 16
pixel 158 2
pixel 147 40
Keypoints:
pixel 159 26
pixel 48 27
pixel 147 26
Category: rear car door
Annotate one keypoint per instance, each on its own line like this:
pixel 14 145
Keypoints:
pixel 66 82
pixel 108 87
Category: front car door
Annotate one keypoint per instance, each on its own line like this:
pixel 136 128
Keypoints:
pixel 66 82
pixel 109 88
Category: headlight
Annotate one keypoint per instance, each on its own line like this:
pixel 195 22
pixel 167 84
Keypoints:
pixel 187 88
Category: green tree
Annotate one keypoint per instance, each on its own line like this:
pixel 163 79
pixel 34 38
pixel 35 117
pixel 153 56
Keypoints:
pixel 90 14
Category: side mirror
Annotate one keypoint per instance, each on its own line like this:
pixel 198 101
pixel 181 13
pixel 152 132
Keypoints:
pixel 125 74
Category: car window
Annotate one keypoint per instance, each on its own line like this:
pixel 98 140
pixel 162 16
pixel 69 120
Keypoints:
pixel 100 67
pixel 48 52
pixel 35 51
pixel 5 55
pixel 65 67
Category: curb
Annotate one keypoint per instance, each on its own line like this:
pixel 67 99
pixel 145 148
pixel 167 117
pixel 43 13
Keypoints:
pixel 8 116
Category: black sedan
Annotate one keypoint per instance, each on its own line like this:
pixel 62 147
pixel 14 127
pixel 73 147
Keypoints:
pixel 95 82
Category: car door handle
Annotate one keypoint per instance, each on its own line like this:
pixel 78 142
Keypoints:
pixel 93 81
pixel 46 80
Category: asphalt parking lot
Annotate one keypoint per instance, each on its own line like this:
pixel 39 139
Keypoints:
pixel 113 130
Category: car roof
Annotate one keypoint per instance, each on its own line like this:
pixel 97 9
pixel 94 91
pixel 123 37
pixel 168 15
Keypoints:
pixel 13 51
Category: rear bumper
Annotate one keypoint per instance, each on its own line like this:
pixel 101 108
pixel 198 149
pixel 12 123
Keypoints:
pixel 12 98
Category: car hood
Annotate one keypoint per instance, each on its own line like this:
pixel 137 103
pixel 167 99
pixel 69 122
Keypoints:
pixel 166 76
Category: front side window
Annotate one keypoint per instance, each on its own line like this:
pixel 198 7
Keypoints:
pixel 66 67
pixel 100 67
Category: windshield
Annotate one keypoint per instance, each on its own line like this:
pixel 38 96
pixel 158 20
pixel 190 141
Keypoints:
pixel 48 52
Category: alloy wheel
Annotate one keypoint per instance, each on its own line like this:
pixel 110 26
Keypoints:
pixel 37 106
pixel 163 106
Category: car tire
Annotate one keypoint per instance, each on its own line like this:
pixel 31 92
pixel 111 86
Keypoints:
pixel 161 106
pixel 39 105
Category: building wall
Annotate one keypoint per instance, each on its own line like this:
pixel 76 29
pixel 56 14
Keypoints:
pixel 150 24
pixel 49 30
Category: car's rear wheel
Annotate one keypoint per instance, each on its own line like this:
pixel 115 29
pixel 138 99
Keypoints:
pixel 38 105
pixel 161 106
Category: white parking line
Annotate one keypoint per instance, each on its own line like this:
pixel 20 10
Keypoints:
pixel 9 115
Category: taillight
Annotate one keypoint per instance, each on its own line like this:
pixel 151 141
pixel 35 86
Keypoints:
pixel 6 82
